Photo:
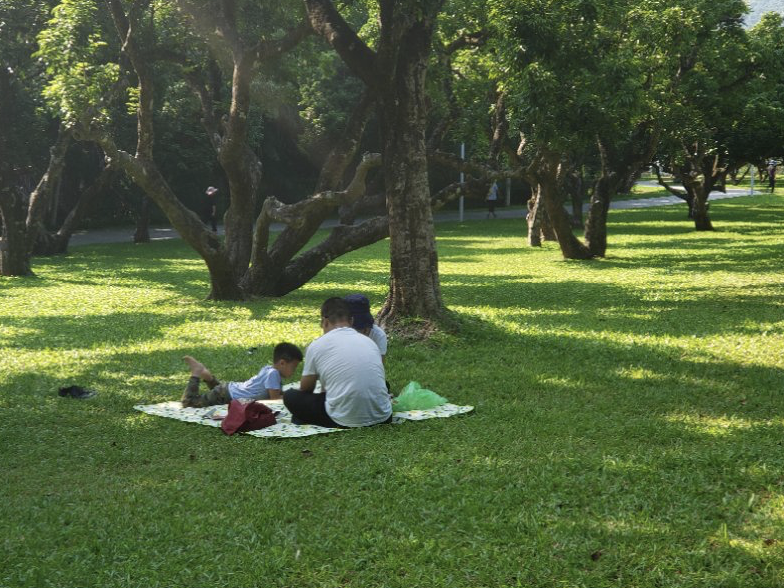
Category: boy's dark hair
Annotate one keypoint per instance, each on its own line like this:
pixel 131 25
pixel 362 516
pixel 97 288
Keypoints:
pixel 336 310
pixel 286 352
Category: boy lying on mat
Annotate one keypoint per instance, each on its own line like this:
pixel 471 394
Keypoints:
pixel 266 385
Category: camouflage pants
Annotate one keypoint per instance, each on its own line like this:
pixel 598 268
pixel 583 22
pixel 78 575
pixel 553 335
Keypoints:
pixel 218 393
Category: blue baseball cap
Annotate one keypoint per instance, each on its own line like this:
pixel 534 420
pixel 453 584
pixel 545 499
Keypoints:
pixel 360 310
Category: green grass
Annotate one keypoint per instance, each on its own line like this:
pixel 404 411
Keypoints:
pixel 628 427
pixel 642 191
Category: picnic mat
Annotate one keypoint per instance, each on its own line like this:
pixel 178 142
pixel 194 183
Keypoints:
pixel 212 415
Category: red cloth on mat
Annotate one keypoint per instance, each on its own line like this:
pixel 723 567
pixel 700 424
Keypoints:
pixel 247 416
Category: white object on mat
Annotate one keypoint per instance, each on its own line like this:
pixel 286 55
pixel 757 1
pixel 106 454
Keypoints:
pixel 211 416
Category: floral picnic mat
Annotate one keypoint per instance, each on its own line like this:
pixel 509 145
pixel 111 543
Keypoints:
pixel 212 416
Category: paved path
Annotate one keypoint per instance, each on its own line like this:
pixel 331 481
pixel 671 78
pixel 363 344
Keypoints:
pixel 125 234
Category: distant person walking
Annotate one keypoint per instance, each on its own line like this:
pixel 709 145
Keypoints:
pixel 772 175
pixel 210 208
pixel 492 199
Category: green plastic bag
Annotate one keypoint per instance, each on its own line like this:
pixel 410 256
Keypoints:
pixel 415 397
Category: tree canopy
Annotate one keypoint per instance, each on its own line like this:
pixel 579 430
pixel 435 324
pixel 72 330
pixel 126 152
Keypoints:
pixel 275 103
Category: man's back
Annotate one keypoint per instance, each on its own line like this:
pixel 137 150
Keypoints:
pixel 352 375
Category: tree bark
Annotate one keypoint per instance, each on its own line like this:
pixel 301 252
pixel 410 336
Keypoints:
pixel 414 283
pixel 414 290
pixel 577 193
pixel 700 215
pixel 621 163
pixel 546 229
pixel 596 226
pixel 273 271
pixel 342 239
pixel 142 170
pixel 57 243
pixel 242 169
pixel 534 217
pixel 23 216
pixel 247 264
pixel 14 258
pixel 396 74
pixel 700 173
pixel 547 172
pixel 142 232
pixel 41 196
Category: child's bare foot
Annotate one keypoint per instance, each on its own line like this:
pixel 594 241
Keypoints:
pixel 197 368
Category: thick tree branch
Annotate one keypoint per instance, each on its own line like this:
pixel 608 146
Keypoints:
pixel 345 149
pixel 475 39
pixel 209 120
pixel 269 50
pixel 500 128
pixel 475 168
pixel 294 214
pixel 671 189
pixel 40 197
pixel 55 243
pixel 302 220
pixel 329 24
pixel 342 239
pixel 125 29
pixel 146 175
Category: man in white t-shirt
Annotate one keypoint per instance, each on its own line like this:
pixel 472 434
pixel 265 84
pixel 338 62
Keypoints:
pixel 351 372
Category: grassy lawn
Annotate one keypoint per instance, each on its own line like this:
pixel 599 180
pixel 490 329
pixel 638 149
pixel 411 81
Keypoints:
pixel 628 427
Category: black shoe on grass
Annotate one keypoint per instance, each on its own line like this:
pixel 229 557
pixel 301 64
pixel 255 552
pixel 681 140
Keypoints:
pixel 77 392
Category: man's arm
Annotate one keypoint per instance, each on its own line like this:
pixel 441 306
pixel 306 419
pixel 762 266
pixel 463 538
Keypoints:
pixel 308 383
pixel 275 394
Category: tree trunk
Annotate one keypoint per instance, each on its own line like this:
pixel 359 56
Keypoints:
pixel 414 285
pixel 596 225
pixel 241 167
pixel 578 191
pixel 547 231
pixel 395 73
pixel 14 257
pixel 142 232
pixel 86 201
pixel 621 164
pixel 534 217
pixel 688 197
pixel 273 272
pixel 56 243
pixel 571 248
pixel 23 217
pixel 41 196
pixel 141 168
pixel 699 212
pixel 223 284
pixel 147 176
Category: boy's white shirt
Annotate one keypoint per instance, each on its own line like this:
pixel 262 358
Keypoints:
pixel 268 378
pixel 379 337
